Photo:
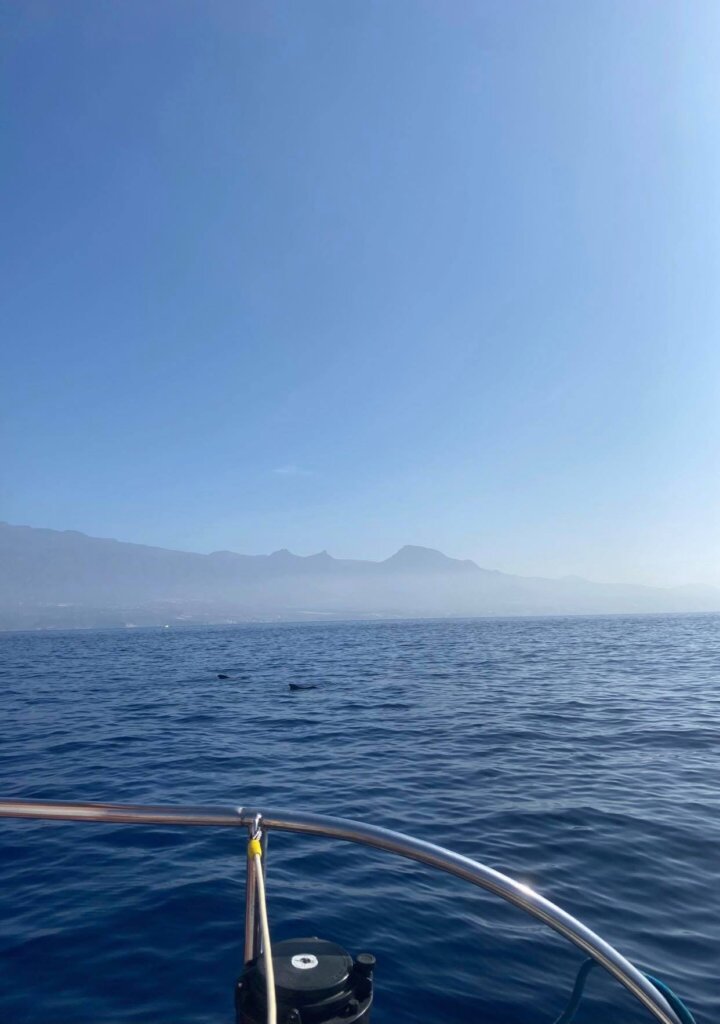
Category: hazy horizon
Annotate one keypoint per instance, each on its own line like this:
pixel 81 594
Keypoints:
pixel 338 556
pixel 54 579
pixel 349 277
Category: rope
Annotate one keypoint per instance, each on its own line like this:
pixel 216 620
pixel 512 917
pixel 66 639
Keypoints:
pixel 675 1001
pixel 255 851
pixel 568 1014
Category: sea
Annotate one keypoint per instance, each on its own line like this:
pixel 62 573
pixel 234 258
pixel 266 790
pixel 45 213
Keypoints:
pixel 578 755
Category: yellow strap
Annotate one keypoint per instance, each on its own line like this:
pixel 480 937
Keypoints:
pixel 254 848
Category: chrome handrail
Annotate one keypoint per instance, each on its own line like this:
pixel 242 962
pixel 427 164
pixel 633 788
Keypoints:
pixel 517 893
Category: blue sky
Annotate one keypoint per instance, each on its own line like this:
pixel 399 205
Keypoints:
pixel 353 275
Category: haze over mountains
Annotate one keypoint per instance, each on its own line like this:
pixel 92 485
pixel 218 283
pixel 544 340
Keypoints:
pixel 64 579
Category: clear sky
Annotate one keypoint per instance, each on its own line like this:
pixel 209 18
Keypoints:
pixel 351 275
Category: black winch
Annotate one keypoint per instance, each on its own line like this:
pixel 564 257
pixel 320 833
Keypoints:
pixel 316 982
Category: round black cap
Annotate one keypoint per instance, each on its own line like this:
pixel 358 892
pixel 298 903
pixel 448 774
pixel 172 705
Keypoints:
pixel 308 970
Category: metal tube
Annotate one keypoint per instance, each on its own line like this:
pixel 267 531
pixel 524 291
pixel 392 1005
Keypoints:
pixel 253 929
pixel 125 814
pixel 250 909
pixel 257 938
pixel 382 839
pixel 507 888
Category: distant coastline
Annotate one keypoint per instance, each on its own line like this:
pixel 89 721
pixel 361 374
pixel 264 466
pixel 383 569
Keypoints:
pixel 51 579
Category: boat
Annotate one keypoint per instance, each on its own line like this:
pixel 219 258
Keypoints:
pixel 309 980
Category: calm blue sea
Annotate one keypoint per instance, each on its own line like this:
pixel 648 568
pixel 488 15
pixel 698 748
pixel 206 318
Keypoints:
pixel 578 754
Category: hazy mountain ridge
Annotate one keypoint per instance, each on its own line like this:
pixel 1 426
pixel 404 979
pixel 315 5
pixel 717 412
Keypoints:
pixel 65 578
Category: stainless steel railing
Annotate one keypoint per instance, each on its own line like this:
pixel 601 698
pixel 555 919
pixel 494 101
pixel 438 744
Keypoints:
pixel 368 835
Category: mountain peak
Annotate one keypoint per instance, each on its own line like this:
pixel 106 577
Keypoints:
pixel 413 557
pixel 285 555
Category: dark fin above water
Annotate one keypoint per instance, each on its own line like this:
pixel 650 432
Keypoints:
pixel 302 686
pixel 221 676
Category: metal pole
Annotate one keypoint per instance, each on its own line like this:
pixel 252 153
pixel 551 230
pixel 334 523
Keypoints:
pixel 250 909
pixel 253 929
pixel 257 935
pixel 126 814
pixel 381 839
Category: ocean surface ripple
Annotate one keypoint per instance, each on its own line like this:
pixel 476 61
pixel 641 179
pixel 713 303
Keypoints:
pixel 579 755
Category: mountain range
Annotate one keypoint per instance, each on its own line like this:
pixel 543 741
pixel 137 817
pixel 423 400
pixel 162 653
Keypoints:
pixel 65 579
